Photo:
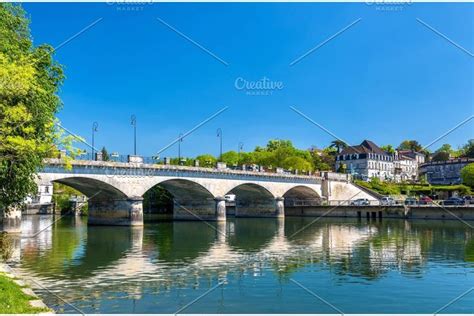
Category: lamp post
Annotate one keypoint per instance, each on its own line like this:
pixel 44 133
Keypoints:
pixel 219 134
pixel 240 147
pixel 133 122
pixel 95 127
pixel 179 147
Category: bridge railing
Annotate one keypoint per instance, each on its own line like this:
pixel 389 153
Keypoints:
pixel 291 202
pixel 115 157
pixel 149 169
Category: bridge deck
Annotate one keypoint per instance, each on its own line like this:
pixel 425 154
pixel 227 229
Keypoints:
pixel 173 168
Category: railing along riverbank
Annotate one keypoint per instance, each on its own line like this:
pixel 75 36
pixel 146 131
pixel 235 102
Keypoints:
pixel 438 212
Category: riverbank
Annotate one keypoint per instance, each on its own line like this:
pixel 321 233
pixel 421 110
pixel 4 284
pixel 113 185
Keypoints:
pixel 16 298
pixel 399 211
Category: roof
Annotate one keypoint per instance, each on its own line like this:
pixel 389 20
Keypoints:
pixel 404 157
pixel 410 152
pixel 366 147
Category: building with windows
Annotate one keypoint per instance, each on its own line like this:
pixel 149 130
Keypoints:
pixel 366 161
pixel 44 195
pixel 419 157
pixel 405 164
pixel 444 172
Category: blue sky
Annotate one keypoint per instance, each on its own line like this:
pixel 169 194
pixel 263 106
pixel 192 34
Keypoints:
pixel 387 78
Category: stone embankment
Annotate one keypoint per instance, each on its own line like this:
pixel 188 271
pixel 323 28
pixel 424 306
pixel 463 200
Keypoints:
pixel 399 211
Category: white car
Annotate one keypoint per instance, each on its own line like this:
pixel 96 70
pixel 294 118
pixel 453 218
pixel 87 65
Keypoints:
pixel 229 197
pixel 360 202
pixel 386 200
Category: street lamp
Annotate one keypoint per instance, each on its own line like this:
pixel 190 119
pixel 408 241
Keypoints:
pixel 240 147
pixel 219 134
pixel 133 122
pixel 95 127
pixel 179 147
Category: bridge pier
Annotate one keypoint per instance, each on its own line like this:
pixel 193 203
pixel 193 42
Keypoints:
pixel 280 207
pixel 260 208
pixel 220 208
pixel 213 210
pixel 127 212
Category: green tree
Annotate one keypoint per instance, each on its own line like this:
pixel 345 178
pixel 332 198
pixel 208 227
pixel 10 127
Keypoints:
pixel 441 156
pixel 207 160
pixel 445 148
pixel 105 154
pixel 410 145
pixel 247 158
pixel 339 145
pixel 29 81
pixel 297 163
pixel 275 144
pixel 388 149
pixel 342 168
pixel 231 158
pixel 467 175
pixel 264 158
pixel 468 149
pixel 323 159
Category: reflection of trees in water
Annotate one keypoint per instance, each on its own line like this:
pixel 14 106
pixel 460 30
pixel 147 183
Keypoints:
pixel 181 241
pixel 252 234
pixel 369 251
pixel 6 246
pixel 60 253
pixel 193 255
pixel 77 252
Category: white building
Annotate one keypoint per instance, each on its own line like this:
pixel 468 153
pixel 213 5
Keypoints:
pixel 44 195
pixel 366 161
pixel 406 165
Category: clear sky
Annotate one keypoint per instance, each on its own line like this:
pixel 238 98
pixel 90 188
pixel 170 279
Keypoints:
pixel 386 78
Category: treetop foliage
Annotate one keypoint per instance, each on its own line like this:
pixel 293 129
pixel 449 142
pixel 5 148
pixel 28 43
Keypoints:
pixel 29 82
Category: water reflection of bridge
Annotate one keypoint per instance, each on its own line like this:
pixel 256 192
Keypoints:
pixel 88 255
pixel 83 261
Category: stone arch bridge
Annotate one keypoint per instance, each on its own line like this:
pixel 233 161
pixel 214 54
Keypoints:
pixel 115 190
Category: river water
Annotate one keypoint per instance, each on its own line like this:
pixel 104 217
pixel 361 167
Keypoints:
pixel 298 265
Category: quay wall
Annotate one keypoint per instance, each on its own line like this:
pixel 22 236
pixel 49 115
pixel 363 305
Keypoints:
pixel 402 212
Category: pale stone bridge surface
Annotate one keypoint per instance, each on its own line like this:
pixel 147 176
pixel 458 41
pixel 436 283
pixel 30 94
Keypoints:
pixel 115 190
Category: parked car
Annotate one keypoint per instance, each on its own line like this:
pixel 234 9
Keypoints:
pixel 411 201
pixel 424 200
pixel 454 201
pixel 469 199
pixel 360 202
pixel 387 200
pixel 229 197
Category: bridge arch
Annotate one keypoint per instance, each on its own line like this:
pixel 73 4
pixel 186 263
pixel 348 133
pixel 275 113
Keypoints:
pixel 108 203
pixel 95 190
pixel 183 189
pixel 191 200
pixel 301 195
pixel 254 200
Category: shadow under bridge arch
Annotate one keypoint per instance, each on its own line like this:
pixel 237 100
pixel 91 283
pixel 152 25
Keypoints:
pixel 191 200
pixel 254 200
pixel 107 205
pixel 301 196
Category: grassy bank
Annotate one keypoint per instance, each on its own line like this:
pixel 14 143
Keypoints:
pixel 13 300
pixel 389 188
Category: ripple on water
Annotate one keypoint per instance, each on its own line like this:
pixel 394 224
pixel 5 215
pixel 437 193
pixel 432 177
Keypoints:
pixel 164 266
